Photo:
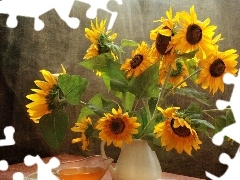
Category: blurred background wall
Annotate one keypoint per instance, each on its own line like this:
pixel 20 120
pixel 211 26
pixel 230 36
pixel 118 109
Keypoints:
pixel 24 51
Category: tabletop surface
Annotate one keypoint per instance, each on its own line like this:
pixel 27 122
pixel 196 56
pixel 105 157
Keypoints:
pixel 27 170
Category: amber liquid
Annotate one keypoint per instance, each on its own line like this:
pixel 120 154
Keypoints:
pixel 83 173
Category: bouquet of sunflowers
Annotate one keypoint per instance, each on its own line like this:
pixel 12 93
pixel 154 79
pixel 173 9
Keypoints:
pixel 183 60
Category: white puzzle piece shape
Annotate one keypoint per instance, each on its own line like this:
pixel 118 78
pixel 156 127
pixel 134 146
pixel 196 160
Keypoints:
pixel 101 4
pixel 233 167
pixel 3 165
pixel 36 8
pixel 9 140
pixel 44 171
pixel 18 176
pixel 231 131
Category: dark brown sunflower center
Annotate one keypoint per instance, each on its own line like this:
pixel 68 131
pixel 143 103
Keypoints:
pixel 217 68
pixel 181 131
pixel 117 126
pixel 194 34
pixel 136 61
pixel 162 43
pixel 178 71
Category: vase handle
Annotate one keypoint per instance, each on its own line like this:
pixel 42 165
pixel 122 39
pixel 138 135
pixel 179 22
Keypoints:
pixel 103 150
pixel 111 168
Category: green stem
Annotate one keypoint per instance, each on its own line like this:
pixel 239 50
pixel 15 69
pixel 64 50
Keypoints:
pixel 208 115
pixel 147 108
pixel 136 104
pixel 212 110
pixel 148 124
pixel 209 110
pixel 161 94
pixel 184 80
pixel 161 97
pixel 120 57
pixel 159 101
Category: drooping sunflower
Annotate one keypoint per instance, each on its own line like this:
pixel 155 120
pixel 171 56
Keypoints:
pixel 176 133
pixel 214 67
pixel 176 75
pixel 117 127
pixel 163 33
pixel 85 128
pixel 44 100
pixel 99 38
pixel 194 34
pixel 142 58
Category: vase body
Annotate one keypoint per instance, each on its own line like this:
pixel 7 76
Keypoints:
pixel 136 162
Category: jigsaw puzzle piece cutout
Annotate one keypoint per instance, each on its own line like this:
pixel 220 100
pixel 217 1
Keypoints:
pixel 113 5
pixel 18 176
pixel 26 8
pixel 9 140
pixel 101 4
pixel 3 165
pixel 36 8
pixel 230 131
pixel 63 9
pixel 44 170
pixel 230 79
pixel 233 167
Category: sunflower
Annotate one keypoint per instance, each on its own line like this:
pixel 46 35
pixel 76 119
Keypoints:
pixel 99 38
pixel 45 98
pixel 194 34
pixel 141 59
pixel 85 128
pixel 176 133
pixel 176 75
pixel 117 128
pixel 214 67
pixel 163 33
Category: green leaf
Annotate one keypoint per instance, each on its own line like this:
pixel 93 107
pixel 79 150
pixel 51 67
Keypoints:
pixel 98 63
pixel 152 102
pixel 224 121
pixel 193 93
pixel 219 123
pixel 193 111
pixel 118 80
pixel 128 101
pixel 127 42
pixel 112 76
pixel 200 122
pixel 73 87
pixel 146 84
pixel 229 118
pixel 191 64
pixel 106 80
pixel 202 125
pixel 86 111
pixel 106 107
pixel 53 127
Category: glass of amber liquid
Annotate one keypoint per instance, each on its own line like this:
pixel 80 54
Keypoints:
pixel 90 168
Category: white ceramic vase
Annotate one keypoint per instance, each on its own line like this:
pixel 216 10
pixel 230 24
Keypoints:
pixel 136 162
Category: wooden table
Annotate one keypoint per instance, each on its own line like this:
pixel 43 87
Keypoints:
pixel 27 170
